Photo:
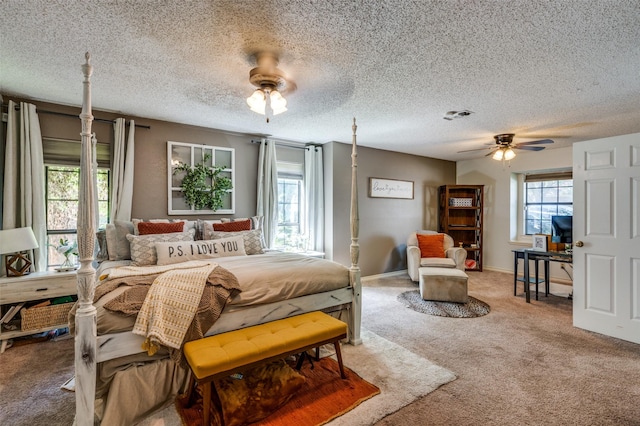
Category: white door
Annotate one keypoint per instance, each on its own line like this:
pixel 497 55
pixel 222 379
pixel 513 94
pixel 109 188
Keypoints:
pixel 606 220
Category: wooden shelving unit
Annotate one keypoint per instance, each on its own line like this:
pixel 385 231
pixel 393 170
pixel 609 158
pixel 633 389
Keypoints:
pixel 460 216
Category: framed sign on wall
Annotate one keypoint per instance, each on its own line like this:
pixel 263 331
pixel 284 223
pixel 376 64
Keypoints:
pixel 213 157
pixel 390 188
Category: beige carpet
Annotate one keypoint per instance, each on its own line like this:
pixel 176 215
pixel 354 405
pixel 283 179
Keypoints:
pixel 521 364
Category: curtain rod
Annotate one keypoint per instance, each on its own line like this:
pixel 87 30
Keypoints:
pixel 289 144
pixel 64 114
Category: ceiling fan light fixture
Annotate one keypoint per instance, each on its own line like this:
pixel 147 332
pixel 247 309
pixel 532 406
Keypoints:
pixel 257 101
pixel 498 155
pixel 271 83
pixel 278 102
pixel 509 154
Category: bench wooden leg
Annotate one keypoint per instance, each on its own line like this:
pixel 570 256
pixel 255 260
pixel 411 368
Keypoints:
pixel 336 345
pixel 206 403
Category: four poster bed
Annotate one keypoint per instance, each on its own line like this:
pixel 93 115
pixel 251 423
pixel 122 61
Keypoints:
pixel 109 355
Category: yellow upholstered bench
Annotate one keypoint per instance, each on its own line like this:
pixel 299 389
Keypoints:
pixel 235 351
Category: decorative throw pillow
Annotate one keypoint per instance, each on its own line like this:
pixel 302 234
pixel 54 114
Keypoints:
pixel 188 224
pixel 235 226
pixel 252 239
pixel 431 245
pixel 102 254
pixel 256 223
pixel 260 392
pixel 146 228
pixel 143 249
pixel 177 252
pixel 117 243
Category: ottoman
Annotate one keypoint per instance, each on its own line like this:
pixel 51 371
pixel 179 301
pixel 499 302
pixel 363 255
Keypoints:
pixel 443 284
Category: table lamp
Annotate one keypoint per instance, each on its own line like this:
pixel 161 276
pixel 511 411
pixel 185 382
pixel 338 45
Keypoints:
pixel 15 243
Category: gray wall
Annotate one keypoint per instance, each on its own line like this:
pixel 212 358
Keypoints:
pixel 384 223
pixel 150 176
pixel 500 201
pixel 150 181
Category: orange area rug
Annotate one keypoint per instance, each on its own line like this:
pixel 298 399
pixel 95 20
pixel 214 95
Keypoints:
pixel 322 397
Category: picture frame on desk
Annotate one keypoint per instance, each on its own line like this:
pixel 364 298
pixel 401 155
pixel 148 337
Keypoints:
pixel 539 242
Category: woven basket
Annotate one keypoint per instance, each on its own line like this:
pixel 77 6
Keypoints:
pixel 46 316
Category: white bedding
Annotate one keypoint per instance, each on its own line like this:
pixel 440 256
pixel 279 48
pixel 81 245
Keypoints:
pixel 264 278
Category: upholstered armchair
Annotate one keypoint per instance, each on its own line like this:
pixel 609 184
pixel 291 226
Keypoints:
pixel 439 253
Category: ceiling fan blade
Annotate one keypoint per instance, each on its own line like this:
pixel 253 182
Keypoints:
pixel 540 142
pixel 529 148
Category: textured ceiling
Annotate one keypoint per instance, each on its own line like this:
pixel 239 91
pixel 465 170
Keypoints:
pixel 568 70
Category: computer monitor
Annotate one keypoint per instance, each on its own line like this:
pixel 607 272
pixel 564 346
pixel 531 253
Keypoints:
pixel 562 227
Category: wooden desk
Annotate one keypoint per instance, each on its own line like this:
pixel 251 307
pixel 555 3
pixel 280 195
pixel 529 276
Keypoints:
pixel 546 257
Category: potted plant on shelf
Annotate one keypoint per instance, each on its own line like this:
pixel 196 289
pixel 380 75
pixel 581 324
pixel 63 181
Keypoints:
pixel 203 186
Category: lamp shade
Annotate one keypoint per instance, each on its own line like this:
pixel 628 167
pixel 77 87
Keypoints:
pixel 278 102
pixel 509 154
pixel 17 240
pixel 257 102
pixel 498 154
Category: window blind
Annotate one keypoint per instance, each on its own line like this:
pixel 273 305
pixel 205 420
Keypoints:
pixel 538 177
pixel 67 152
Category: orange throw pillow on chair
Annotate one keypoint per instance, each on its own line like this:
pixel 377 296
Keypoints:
pixel 431 245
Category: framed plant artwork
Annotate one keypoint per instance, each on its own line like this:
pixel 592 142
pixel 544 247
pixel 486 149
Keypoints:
pixel 539 242
pixel 200 179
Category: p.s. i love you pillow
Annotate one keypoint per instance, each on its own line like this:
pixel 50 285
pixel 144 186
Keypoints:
pixel 182 251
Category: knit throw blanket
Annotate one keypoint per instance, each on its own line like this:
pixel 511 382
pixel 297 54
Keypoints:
pixel 221 286
pixel 170 306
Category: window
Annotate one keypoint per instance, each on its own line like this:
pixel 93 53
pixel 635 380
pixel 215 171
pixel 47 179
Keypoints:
pixel 290 190
pixel 62 183
pixel 546 195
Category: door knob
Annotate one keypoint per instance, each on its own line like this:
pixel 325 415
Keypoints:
pixel 579 244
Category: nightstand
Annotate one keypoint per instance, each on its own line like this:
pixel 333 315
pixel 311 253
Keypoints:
pixel 36 286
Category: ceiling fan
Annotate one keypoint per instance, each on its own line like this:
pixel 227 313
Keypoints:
pixel 504 146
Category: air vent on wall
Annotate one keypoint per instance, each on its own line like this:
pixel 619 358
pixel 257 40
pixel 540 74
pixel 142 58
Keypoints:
pixel 450 115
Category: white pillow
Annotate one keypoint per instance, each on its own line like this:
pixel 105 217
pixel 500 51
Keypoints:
pixel 178 252
pixel 117 243
pixel 253 240
pixel 143 250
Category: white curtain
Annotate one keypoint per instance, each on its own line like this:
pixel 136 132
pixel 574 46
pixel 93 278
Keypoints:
pixel 122 173
pixel 314 197
pixel 267 205
pixel 24 191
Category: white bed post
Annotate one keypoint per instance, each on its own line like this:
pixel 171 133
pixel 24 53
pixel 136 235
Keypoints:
pixel 354 271
pixel 85 338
